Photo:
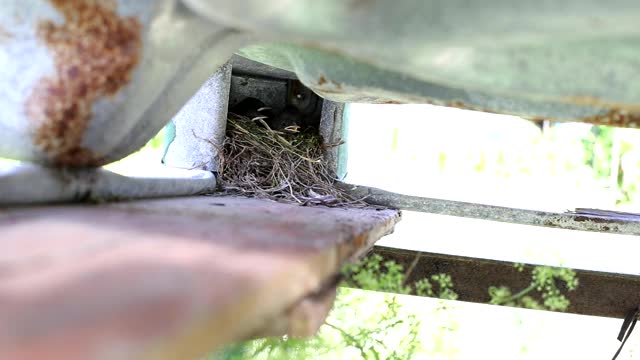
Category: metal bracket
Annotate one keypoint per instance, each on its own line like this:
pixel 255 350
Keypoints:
pixel 27 184
pixel 582 219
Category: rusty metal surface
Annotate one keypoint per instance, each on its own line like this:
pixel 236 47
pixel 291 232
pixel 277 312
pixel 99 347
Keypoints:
pixel 598 293
pixel 169 278
pixel 94 53
pixel 86 82
pixel 614 223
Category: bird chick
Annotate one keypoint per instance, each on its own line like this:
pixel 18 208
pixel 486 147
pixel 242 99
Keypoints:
pixel 289 120
pixel 253 109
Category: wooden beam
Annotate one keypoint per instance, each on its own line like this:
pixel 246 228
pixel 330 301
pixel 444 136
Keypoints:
pixel 580 219
pixel 598 293
pixel 172 278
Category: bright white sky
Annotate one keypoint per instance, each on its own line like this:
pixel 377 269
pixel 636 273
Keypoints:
pixel 396 147
pixel 410 166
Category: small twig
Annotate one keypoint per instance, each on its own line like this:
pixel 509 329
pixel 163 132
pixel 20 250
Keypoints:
pixel 520 294
pixel 353 340
pixel 330 145
pixel 411 268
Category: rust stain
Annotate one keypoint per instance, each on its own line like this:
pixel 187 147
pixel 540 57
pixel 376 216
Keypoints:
pixel 619 114
pixel 616 117
pixel 337 84
pixel 322 80
pixel 461 105
pixel 326 91
pixel 94 53
pixel 594 101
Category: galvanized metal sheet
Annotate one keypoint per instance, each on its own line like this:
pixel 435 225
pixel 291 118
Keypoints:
pixel 569 60
pixel 85 82
pixel 581 219
pixel 198 130
pixel 27 184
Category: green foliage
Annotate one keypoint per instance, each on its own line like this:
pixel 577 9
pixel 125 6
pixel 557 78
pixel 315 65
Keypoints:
pixel 424 287
pixel 386 333
pixel 546 281
pixel 445 285
pixel 275 348
pixel 389 331
pixel 373 342
pixel 376 275
pixel 598 144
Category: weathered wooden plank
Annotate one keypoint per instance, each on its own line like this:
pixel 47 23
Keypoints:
pixel 582 219
pixel 598 293
pixel 169 278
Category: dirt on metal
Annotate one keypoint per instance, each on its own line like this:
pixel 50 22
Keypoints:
pixel 94 52
pixel 616 117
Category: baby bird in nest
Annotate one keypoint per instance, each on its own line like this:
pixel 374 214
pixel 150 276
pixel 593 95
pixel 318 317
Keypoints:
pixel 288 120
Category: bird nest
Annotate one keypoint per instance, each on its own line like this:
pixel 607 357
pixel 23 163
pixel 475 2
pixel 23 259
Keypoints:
pixel 285 166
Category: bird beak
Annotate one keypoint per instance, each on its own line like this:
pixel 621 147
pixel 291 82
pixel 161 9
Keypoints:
pixel 293 128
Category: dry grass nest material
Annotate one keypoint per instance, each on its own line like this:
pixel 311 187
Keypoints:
pixel 287 167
